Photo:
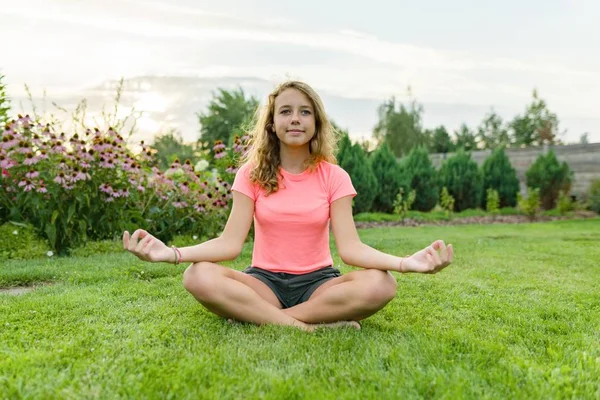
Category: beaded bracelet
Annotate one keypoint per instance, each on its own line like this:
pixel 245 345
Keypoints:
pixel 178 257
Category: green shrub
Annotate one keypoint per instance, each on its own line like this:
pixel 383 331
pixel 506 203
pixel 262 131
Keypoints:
pixel 74 189
pixel 422 178
pixel 20 242
pixel 492 201
pixel 357 165
pixel 388 177
pixel 550 176
pixel 462 178
pixel 530 205
pixel 403 203
pixel 564 203
pixel 594 196
pixel 498 174
pixel 447 201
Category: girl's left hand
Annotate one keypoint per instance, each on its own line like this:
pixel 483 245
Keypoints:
pixel 430 260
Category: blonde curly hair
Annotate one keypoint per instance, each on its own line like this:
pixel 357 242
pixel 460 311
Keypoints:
pixel 263 154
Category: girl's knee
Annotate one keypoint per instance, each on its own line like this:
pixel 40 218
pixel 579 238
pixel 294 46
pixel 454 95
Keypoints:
pixel 382 286
pixel 199 279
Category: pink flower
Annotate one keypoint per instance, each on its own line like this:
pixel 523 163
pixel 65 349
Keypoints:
pixel 30 159
pixel 141 188
pixel 6 163
pixel 32 174
pixel 28 185
pixel 60 178
pixel 220 155
pixel 42 189
pixel 109 199
pixel 105 187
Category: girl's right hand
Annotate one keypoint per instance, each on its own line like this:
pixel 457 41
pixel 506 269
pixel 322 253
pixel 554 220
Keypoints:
pixel 147 248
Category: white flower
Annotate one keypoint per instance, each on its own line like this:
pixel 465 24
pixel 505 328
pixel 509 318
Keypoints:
pixel 50 253
pixel 194 237
pixel 15 232
pixel 201 165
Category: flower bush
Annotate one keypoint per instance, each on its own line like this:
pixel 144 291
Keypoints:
pixel 72 189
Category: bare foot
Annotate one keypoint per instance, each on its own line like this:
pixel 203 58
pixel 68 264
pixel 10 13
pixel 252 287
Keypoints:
pixel 313 327
pixel 338 324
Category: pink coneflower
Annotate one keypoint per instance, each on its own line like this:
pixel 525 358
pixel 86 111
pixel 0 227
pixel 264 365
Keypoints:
pixel 220 154
pixel 109 199
pixel 32 174
pixel 218 145
pixel 179 204
pixel 28 185
pixel 6 162
pixel 60 178
pixel 83 175
pixel 184 187
pixel 30 159
pixel 105 187
pixel 43 155
pixel 42 189
pixel 58 148
pixel 141 188
pixel 199 208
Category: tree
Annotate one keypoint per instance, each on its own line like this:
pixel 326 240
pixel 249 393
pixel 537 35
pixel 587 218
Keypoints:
pixel 584 138
pixel 549 176
pixel 462 177
pixel 492 132
pixel 4 104
pixel 499 175
pixel 228 113
pixel 355 163
pixel 399 126
pixel 422 178
pixel 537 126
pixel 170 146
pixel 465 138
pixel 440 141
pixel 388 177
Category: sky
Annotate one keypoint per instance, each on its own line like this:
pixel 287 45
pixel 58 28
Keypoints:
pixel 461 59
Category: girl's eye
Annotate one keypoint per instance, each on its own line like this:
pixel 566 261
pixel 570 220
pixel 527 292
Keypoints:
pixel 284 111
pixel 306 112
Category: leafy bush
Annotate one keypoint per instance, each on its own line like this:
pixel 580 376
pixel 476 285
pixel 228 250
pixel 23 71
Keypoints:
pixel 74 189
pixel 594 196
pixel 564 203
pixel 550 176
pixel 388 177
pixel 498 174
pixel 530 205
pixel 422 178
pixel 403 203
pixel 19 241
pixel 462 178
pixel 447 201
pixel 492 201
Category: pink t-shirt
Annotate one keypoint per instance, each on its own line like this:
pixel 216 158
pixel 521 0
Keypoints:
pixel 291 226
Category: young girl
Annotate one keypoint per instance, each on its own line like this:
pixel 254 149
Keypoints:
pixel 291 188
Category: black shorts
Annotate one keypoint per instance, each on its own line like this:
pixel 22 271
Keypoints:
pixel 292 289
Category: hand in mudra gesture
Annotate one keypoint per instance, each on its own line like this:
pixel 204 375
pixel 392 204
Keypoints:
pixel 430 260
pixel 146 247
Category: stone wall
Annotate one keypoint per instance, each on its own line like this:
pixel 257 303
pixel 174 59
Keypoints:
pixel 583 159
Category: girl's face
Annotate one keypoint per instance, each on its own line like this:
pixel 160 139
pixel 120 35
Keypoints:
pixel 294 118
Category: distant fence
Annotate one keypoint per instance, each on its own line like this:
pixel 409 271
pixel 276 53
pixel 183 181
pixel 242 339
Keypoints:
pixel 583 160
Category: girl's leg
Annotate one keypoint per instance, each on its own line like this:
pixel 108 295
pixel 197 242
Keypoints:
pixel 352 296
pixel 233 294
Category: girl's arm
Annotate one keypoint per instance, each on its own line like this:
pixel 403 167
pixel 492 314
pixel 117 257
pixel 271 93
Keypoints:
pixel 354 252
pixel 228 246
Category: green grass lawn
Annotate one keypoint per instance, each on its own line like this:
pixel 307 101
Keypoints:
pixel 517 315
